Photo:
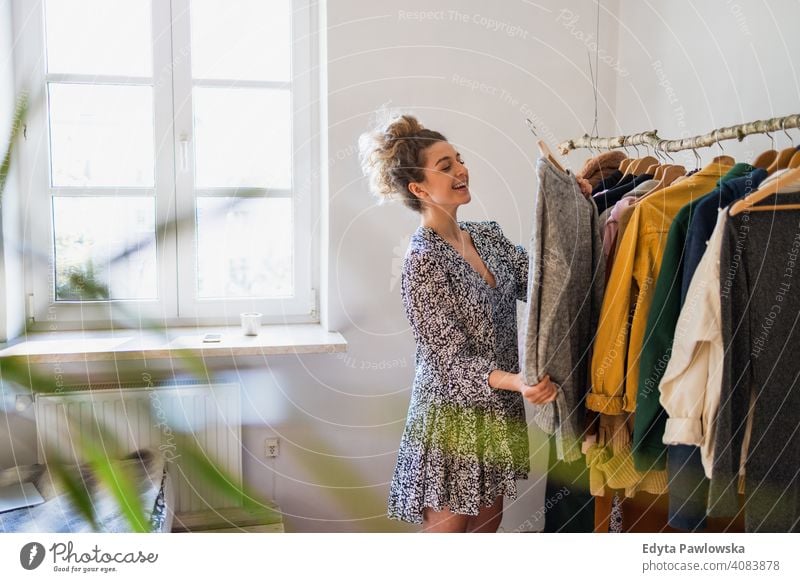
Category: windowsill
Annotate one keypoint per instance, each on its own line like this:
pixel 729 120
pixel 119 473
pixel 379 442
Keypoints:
pixel 130 344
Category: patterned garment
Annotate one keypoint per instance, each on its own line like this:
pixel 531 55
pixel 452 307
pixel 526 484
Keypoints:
pixel 615 523
pixel 464 442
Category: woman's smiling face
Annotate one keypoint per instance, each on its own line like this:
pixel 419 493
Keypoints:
pixel 446 180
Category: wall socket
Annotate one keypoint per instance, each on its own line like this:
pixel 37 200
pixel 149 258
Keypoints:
pixel 271 447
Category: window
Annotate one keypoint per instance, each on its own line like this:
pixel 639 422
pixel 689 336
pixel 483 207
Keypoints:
pixel 168 160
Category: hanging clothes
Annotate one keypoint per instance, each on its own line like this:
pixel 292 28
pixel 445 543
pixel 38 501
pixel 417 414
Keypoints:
pixel 565 292
pixel 608 182
pixel 615 362
pixel 608 198
pixel 688 485
pixel 648 448
pixel 622 212
pixel 705 216
pixel 572 510
pixel 599 195
pixel 600 168
pixel 690 386
pixel 731 386
pixel 617 220
pixel 760 313
pixel 611 464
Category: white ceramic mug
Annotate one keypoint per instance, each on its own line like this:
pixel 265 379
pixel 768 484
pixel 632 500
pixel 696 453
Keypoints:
pixel 251 321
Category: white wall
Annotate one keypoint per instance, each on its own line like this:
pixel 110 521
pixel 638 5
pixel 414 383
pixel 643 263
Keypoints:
pixel 697 66
pixel 12 315
pixel 475 82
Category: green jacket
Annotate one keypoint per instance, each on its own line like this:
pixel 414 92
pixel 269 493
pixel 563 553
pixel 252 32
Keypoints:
pixel 649 452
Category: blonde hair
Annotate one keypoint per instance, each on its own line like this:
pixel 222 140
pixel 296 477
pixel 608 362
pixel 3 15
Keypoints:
pixel 393 155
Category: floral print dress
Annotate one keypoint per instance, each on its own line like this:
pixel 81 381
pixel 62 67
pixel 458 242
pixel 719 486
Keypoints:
pixel 464 443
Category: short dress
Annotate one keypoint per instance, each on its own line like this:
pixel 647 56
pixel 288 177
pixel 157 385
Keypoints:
pixel 464 442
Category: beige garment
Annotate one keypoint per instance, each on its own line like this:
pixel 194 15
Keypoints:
pixel 610 461
pixel 773 177
pixel 692 383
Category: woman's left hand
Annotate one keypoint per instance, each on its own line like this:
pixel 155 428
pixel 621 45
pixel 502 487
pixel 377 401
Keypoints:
pixel 542 393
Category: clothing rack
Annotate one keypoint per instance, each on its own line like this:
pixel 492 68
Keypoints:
pixel 651 138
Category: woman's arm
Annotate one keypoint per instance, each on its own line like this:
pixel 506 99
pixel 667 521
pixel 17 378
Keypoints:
pixel 541 393
pixel 502 380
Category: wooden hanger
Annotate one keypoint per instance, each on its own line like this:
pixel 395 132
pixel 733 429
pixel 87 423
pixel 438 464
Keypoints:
pixel 656 171
pixel 652 169
pixel 782 161
pixel 764 159
pixel 795 161
pixel 624 164
pixel 672 173
pixel 638 167
pixel 724 160
pixel 629 167
pixel 785 183
pixel 547 153
pixel 668 176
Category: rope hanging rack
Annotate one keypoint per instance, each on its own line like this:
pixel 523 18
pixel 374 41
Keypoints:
pixel 651 138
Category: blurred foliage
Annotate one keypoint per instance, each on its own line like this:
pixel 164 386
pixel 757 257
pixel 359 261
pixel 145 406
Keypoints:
pixel 17 372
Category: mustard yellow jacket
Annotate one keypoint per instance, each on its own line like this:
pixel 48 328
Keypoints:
pixel 629 292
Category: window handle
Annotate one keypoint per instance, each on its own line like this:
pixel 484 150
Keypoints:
pixel 184 141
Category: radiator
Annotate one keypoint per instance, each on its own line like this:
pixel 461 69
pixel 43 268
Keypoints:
pixel 149 416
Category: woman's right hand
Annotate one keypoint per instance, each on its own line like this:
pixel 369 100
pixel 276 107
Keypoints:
pixel 541 393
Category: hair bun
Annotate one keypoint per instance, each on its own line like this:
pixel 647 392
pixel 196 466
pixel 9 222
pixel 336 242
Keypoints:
pixel 402 126
pixel 392 156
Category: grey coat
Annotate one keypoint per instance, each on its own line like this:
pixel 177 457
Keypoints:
pixel 760 313
pixel 565 295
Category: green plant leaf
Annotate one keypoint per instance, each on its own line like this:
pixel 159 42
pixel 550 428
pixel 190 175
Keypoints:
pixel 119 481
pixel 18 371
pixel 20 112
pixel 78 494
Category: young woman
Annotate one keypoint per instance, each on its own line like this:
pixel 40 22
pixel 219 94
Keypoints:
pixel 465 441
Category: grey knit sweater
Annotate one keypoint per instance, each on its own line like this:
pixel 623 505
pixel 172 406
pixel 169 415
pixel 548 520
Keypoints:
pixel 565 294
pixel 760 302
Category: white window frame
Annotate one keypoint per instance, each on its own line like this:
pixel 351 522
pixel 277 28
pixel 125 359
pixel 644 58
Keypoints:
pixel 174 188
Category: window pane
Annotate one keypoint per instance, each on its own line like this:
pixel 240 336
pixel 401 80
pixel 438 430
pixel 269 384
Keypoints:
pixel 242 138
pixel 99 37
pixel 107 240
pixel 101 135
pixel 241 39
pixel 244 247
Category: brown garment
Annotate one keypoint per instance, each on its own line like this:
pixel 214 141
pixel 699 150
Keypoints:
pixel 603 506
pixel 596 168
pixel 646 513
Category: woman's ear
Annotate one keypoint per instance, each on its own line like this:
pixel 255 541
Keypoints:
pixel 416 189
